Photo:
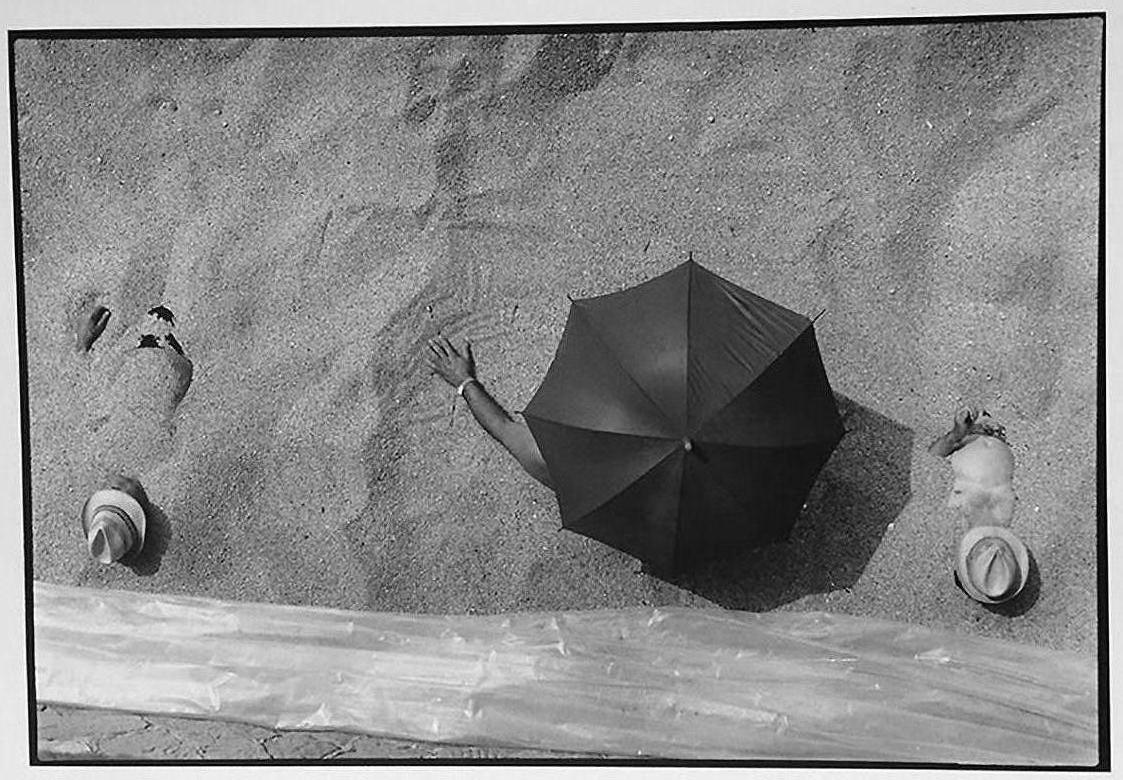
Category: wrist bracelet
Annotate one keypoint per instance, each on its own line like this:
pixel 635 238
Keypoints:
pixel 461 387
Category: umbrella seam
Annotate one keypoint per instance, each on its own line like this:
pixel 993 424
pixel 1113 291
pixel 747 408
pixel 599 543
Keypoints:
pixel 686 403
pixel 786 446
pixel 576 427
pixel 678 515
pixel 807 445
pixel 689 310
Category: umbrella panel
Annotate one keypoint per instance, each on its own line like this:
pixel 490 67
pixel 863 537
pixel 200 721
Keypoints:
pixel 734 336
pixel 713 523
pixel 587 387
pixel 790 403
pixel 641 520
pixel 643 329
pixel 588 468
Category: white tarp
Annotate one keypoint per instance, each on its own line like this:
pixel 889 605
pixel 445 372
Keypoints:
pixel 661 682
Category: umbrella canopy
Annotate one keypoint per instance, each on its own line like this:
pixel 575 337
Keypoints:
pixel 684 418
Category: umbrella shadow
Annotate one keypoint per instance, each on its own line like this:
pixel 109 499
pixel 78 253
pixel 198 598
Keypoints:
pixel 863 487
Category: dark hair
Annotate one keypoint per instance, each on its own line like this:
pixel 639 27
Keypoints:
pixel 987 426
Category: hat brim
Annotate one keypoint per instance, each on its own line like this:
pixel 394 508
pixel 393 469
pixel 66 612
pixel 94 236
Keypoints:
pixel 121 500
pixel 977 534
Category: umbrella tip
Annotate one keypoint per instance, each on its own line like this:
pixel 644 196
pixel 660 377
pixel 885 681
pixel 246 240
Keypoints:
pixel 820 314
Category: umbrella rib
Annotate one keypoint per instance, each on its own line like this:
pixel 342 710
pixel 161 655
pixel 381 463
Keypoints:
pixel 616 359
pixel 576 427
pixel 787 445
pixel 686 373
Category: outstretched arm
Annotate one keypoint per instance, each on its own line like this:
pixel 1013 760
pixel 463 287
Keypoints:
pixel 952 440
pixel 459 370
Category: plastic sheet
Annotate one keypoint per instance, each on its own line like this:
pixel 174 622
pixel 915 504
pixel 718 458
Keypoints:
pixel 665 682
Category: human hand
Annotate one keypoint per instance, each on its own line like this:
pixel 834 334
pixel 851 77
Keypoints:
pixel 964 417
pixel 447 362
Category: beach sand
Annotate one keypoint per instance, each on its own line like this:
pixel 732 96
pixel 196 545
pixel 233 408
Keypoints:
pixel 313 209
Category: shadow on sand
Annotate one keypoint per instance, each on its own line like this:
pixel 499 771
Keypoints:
pixel 146 561
pixel 863 487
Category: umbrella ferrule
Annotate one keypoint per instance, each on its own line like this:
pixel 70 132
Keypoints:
pixel 687 444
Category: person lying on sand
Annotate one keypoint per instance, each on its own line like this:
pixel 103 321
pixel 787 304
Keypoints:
pixel 459 371
pixel 983 467
pixel 992 563
pixel 150 375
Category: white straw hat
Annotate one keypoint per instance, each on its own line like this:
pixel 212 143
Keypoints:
pixel 113 522
pixel 992 564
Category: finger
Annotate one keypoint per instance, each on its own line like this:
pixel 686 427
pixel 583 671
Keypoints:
pixel 436 348
pixel 446 345
pixel 468 351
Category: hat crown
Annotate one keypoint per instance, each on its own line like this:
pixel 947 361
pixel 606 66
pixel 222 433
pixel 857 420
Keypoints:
pixel 993 567
pixel 113 523
pixel 110 536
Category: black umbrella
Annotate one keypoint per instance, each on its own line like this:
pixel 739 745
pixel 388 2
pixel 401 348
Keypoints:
pixel 684 418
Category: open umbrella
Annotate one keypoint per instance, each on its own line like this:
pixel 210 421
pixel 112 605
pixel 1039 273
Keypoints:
pixel 684 418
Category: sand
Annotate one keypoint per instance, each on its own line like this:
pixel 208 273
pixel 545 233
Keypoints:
pixel 313 209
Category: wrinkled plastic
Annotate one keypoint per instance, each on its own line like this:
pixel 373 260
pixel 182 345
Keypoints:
pixel 663 682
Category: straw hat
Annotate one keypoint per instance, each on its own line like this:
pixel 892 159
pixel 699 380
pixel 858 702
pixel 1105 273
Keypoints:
pixel 114 524
pixel 992 564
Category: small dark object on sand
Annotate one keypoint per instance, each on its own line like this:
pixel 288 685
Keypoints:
pixel 148 340
pixel 163 313
pixel 173 343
